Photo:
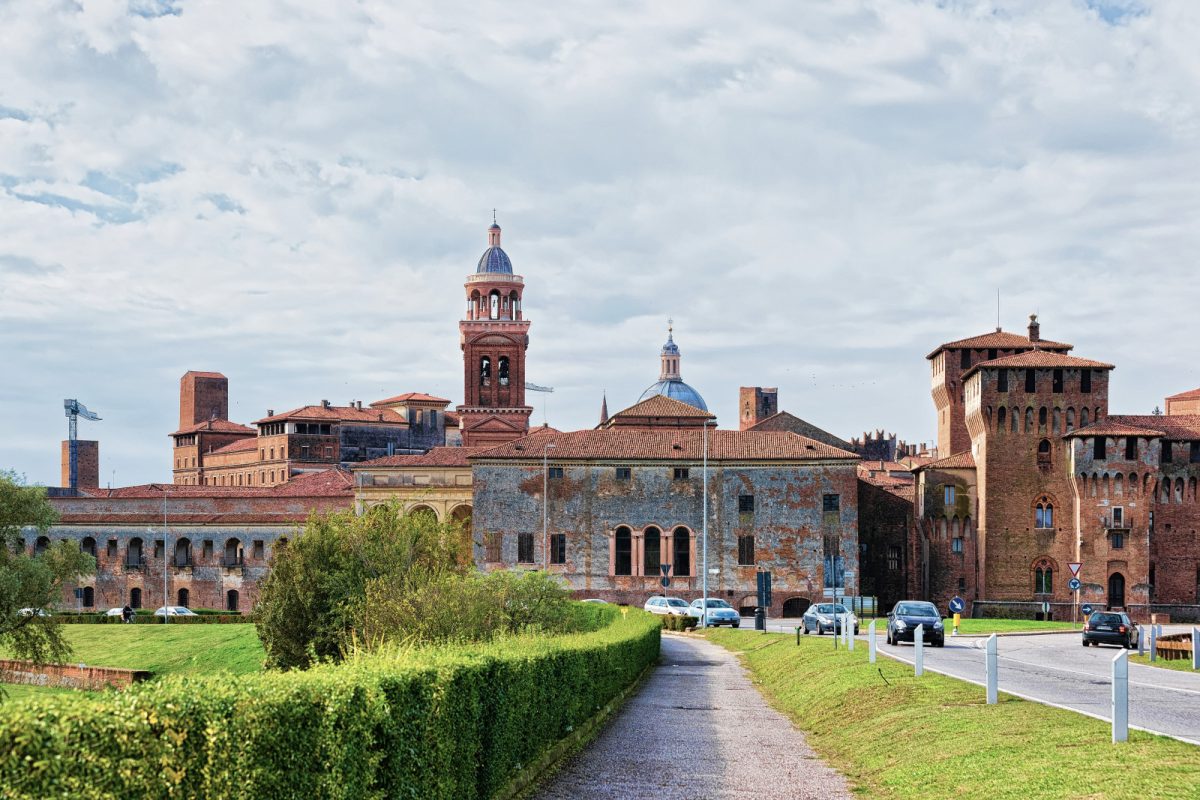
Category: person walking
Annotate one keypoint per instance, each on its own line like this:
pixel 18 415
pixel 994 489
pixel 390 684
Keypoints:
pixel 127 614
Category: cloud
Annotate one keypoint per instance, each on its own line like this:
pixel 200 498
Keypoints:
pixel 292 192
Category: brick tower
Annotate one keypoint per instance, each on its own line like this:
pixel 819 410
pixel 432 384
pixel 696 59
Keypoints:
pixel 757 403
pixel 494 337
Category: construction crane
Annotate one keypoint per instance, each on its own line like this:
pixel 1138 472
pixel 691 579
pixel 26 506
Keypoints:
pixel 533 387
pixel 75 410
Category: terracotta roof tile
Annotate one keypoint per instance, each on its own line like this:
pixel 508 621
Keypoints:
pixel 216 426
pixel 339 414
pixel 669 445
pixel 963 460
pixel 200 374
pixel 1000 340
pixel 411 397
pixel 330 482
pixel 249 443
pixel 662 406
pixel 1179 426
pixel 1044 359
pixel 1190 395
pixel 437 457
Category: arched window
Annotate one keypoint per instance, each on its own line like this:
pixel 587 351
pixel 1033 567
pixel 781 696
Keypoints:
pixel 682 545
pixel 1179 490
pixel 41 545
pixel 233 553
pixel 1119 485
pixel 623 551
pixel 473 305
pixel 1001 419
pixel 503 365
pixel 89 597
pixel 1166 490
pixel 1042 420
pixel 135 598
pixel 1043 453
pixel 1043 514
pixel 1083 418
pixel 494 305
pixel 183 553
pixel 1028 420
pixel 514 306
pixel 1133 484
pixel 485 371
pixel 88 545
pixel 1056 426
pixel 182 597
pixel 1070 420
pixel 1014 419
pixel 1043 579
pixel 133 553
pixel 651 551
pixel 231 600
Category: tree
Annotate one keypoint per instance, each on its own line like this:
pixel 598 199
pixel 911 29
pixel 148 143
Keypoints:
pixel 31 585
pixel 315 594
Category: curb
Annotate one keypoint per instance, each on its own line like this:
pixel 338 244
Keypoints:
pixel 1013 633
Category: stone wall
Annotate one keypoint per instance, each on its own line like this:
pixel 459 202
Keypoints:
pixel 69 676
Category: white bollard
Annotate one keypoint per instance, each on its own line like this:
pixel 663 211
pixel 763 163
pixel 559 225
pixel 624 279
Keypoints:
pixel 1141 641
pixel 871 640
pixel 849 633
pixel 991 662
pixel 919 650
pixel 1195 648
pixel 1153 643
pixel 1120 697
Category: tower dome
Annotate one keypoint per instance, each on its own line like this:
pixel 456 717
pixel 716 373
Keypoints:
pixel 494 259
pixel 670 382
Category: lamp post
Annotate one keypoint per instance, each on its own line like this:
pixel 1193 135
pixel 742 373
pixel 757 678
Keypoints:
pixel 704 532
pixel 546 507
pixel 166 558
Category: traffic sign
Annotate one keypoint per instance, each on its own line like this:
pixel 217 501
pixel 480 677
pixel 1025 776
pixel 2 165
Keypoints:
pixel 957 605
pixel 665 569
pixel 1074 584
pixel 1087 608
pixel 1075 566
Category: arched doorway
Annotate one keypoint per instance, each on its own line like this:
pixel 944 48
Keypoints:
pixel 795 606
pixel 1116 590
pixel 135 598
pixel 231 600
pixel 182 598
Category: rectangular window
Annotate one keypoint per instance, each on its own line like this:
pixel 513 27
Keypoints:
pixel 964 359
pixel 1057 384
pixel 746 551
pixel 558 548
pixel 681 473
pixel 624 474
pixel 991 354
pixel 158 548
pixel 112 548
pixel 956 544
pixel 1118 517
pixel 554 472
pixel 1030 381
pixel 1167 455
pixel 948 495
pixel 745 504
pixel 1130 448
pixel 1194 457
pixel 525 548
pixel 831 508
pixel 208 548
pixel 258 548
pixel 893 558
pixel 304 452
pixel 329 452
pixel 1099 447
pixel 962 584
pixel 492 551
pixel 1085 381
pixel 1002 380
pixel 682 545
pixel 1118 541
pixel 272 453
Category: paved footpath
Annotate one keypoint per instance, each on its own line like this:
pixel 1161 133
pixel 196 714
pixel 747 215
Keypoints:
pixel 697 729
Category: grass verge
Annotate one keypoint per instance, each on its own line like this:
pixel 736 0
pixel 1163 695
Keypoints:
pixel 1180 664
pixel 897 736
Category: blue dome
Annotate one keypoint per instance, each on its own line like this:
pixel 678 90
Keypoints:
pixel 676 390
pixel 494 260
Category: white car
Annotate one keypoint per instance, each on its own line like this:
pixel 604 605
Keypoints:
pixel 719 612
pixel 33 612
pixel 175 611
pixel 668 606
pixel 113 612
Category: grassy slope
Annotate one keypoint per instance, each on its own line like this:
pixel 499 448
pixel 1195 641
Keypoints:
pixel 1182 664
pixel 975 627
pixel 167 649
pixel 897 736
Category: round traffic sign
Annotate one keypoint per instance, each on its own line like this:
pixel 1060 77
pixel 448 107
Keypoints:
pixel 1087 608
pixel 1074 584
pixel 957 605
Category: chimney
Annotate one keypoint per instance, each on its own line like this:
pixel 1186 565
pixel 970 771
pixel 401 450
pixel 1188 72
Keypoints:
pixel 359 405
pixel 1035 329
pixel 270 412
pixel 324 404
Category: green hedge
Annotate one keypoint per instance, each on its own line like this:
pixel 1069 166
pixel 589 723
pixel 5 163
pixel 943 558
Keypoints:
pixel 148 619
pixel 455 722
pixel 672 622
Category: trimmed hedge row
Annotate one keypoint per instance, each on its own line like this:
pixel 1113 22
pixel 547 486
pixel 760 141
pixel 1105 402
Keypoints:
pixel 147 619
pixel 455 722
pixel 672 622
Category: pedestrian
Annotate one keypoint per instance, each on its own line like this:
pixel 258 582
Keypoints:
pixel 127 614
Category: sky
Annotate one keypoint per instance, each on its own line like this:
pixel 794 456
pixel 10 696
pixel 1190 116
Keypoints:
pixel 292 193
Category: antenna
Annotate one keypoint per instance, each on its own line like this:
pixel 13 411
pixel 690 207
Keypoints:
pixel 997 309
pixel 533 387
pixel 74 410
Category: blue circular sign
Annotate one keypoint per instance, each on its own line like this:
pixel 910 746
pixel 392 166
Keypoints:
pixel 1074 584
pixel 1087 608
pixel 957 605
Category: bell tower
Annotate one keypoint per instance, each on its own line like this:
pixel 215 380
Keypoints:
pixel 494 336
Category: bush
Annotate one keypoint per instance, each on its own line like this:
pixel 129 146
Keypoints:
pixel 674 623
pixel 451 722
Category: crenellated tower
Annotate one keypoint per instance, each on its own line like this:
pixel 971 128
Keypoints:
pixel 494 336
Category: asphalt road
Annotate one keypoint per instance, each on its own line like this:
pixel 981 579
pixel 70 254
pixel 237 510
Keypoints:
pixel 1057 669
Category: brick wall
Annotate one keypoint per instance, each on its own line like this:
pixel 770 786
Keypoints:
pixel 66 675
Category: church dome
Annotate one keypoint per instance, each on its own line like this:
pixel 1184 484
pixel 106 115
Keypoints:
pixel 494 259
pixel 676 390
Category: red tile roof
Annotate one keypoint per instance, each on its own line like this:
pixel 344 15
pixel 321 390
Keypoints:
pixel 339 414
pixel 1035 359
pixel 1178 426
pixel 662 406
pixel 1190 395
pixel 199 374
pixel 249 443
pixel 327 483
pixel 411 397
pixel 216 426
pixel 543 428
pixel 963 460
pixel 452 419
pixel 999 340
pixel 437 457
pixel 668 445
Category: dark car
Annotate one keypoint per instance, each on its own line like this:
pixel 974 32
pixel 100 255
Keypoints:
pixel 1110 627
pixel 907 615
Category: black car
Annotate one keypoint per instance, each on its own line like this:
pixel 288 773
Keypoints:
pixel 907 615
pixel 1110 627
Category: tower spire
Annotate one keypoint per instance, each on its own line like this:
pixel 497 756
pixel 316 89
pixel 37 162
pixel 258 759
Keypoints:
pixel 670 356
pixel 604 408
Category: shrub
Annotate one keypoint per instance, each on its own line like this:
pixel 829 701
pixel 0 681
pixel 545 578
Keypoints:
pixel 675 623
pixel 451 722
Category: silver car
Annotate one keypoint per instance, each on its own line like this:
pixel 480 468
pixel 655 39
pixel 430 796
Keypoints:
pixel 719 612
pixel 667 606
pixel 827 617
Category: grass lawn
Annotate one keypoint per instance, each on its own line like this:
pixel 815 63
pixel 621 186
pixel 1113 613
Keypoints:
pixel 18 691
pixel 897 736
pixel 167 649
pixel 1181 664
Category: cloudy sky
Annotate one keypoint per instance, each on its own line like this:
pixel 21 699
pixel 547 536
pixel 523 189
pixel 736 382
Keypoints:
pixel 818 193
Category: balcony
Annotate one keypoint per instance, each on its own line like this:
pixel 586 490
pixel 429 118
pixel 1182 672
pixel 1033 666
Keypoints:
pixel 135 563
pixel 182 562
pixel 233 562
pixel 1120 522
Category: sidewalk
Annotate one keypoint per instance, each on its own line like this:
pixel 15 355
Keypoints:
pixel 697 729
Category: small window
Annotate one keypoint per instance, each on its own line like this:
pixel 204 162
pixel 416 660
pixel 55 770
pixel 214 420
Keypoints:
pixel 554 472
pixel 1085 381
pixel 158 548
pixel 1057 385
pixel 681 473
pixel 956 544
pixel 746 551
pixel 208 548
pixel 964 359
pixel 525 548
pixel 991 354
pixel 1118 517
pixel 1167 455
pixel 1044 515
pixel 745 504
pixel 112 548
pixel 1130 448
pixel 1002 380
pixel 259 548
pixel 558 548
pixel 831 503
pixel 1118 541
pixel 1099 445
pixel 624 473
pixel 1194 456
pixel 962 584
pixel 1030 381
pixel 893 558
pixel 492 541
pixel 948 495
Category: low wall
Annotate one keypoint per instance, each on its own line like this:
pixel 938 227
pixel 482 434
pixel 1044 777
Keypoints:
pixel 1174 647
pixel 67 675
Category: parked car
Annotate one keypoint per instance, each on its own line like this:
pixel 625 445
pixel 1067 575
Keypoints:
pixel 826 617
pixel 719 612
pixel 594 600
pixel 671 606
pixel 33 612
pixel 1110 627
pixel 907 615
pixel 114 612
pixel 174 611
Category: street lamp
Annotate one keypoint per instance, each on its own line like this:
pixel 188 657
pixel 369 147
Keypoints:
pixel 704 528
pixel 166 557
pixel 545 508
